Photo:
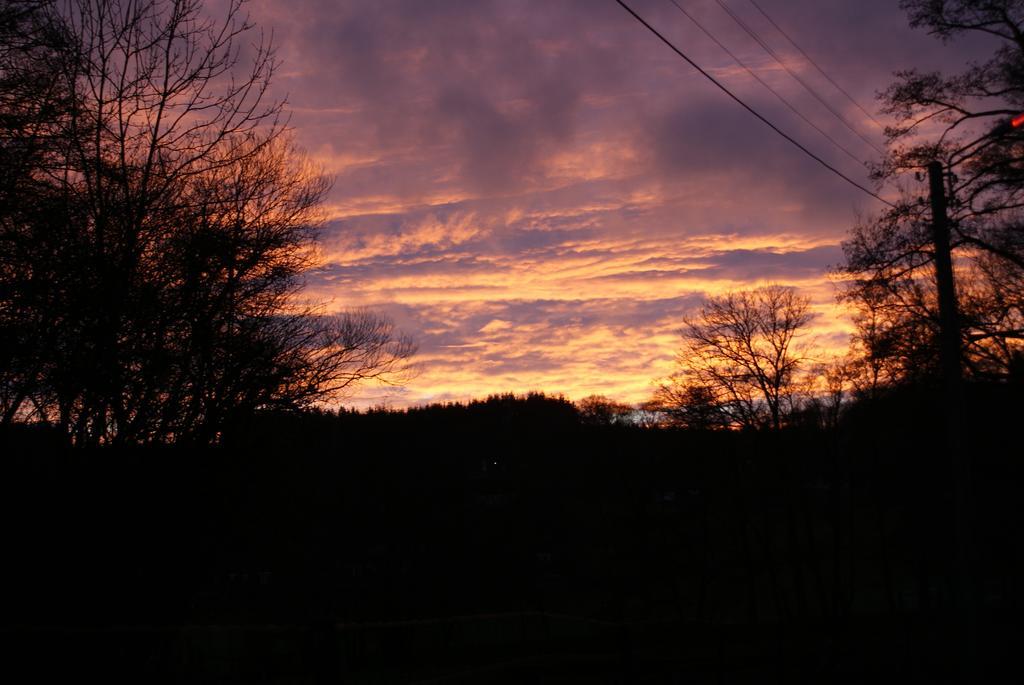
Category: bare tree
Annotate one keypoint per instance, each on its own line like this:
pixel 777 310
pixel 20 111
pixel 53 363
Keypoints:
pixel 963 121
pixel 741 358
pixel 598 410
pixel 186 221
pixel 683 402
pixel 34 106
pixel 835 383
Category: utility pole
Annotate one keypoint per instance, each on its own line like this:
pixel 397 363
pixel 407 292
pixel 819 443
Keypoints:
pixel 949 319
pixel 959 461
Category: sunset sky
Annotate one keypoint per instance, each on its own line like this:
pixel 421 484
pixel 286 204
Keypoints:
pixel 538 191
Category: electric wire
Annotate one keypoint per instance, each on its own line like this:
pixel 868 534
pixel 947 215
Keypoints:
pixel 764 83
pixel 810 89
pixel 750 109
pixel 815 64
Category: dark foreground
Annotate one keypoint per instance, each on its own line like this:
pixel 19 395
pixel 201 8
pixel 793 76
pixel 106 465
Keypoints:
pixel 510 544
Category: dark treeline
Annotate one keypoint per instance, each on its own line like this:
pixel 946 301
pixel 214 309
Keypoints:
pixel 394 545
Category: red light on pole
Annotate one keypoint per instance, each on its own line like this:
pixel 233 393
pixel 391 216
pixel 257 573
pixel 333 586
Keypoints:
pixel 1017 121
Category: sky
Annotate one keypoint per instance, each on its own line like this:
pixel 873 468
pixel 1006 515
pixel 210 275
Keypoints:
pixel 540 191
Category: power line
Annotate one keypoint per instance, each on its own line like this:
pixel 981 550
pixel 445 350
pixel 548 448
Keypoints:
pixel 815 65
pixel 750 109
pixel 764 83
pixel 810 89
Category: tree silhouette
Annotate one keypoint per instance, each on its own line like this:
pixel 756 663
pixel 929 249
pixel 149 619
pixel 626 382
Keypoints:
pixel 598 410
pixel 740 363
pixel 961 120
pixel 34 106
pixel 179 219
pixel 685 403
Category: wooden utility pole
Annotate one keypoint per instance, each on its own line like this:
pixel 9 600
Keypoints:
pixel 949 319
pixel 959 461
